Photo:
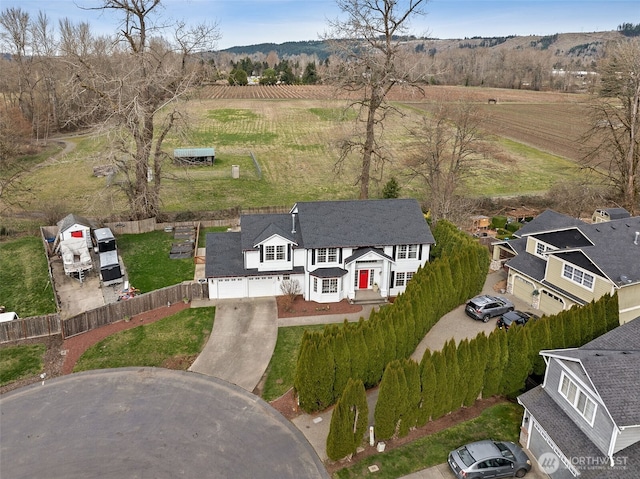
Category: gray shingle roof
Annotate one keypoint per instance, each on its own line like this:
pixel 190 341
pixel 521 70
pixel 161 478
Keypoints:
pixel 257 228
pixel 612 364
pixel 362 223
pixel 610 246
pixel 548 220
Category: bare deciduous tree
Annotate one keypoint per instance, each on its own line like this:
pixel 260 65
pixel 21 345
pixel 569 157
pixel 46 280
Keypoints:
pixel 135 83
pixel 616 123
pixel 290 289
pixel 444 147
pixel 369 44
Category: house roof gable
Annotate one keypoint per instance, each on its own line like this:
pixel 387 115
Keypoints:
pixel 611 363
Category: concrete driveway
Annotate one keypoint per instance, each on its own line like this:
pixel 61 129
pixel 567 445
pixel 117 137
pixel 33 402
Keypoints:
pixel 242 341
pixel 457 325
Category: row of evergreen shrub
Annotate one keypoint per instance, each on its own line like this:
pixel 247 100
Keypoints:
pixel 412 394
pixel 362 350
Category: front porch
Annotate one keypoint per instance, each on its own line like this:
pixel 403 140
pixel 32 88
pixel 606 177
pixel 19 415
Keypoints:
pixel 368 296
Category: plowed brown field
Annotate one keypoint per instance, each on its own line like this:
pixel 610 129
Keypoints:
pixel 548 121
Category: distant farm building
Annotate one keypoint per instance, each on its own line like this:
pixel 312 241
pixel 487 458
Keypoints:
pixel 194 156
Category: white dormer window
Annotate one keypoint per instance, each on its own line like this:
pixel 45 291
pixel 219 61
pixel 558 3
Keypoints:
pixel 541 249
pixel 274 253
pixel 578 276
pixel 408 251
pixel 327 255
pixel 577 398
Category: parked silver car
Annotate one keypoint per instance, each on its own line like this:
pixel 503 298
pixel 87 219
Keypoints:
pixel 488 458
pixel 485 306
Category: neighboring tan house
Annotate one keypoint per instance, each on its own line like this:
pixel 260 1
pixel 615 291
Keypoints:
pixel 556 262
pixel 335 250
pixel 584 420
pixel 608 214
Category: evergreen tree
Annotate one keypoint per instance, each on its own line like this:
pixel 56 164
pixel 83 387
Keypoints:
pixel 310 75
pixel 342 359
pixel 391 188
pixel 495 364
pixel 375 348
pixel 478 348
pixel 304 382
pixel 392 399
pixel 359 352
pixel 410 415
pixel 428 384
pixel 466 372
pixel 454 394
pixel 519 364
pixel 348 421
pixel 540 333
pixel 441 393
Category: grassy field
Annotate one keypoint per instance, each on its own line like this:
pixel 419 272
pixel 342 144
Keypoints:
pixel 24 285
pixel 169 342
pixel 294 141
pixel 146 257
pixel 500 422
pixel 17 362
pixel 283 362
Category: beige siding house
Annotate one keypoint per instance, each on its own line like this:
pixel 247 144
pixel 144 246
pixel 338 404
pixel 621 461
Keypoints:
pixel 556 262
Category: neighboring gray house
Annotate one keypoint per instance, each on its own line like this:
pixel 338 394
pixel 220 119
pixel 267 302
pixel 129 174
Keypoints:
pixel 333 249
pixel 556 262
pixel 584 420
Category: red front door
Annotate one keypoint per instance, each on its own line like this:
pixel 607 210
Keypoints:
pixel 363 279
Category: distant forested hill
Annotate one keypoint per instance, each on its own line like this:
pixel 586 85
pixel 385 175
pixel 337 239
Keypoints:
pixel 287 49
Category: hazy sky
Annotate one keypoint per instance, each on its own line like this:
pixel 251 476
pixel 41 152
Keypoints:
pixel 247 22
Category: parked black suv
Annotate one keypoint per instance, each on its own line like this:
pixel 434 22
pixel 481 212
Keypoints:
pixel 486 306
pixel 514 317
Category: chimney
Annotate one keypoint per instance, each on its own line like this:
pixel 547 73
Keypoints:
pixel 635 242
pixel 293 223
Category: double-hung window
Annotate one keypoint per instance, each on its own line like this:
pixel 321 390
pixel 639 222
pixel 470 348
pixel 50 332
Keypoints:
pixel 327 255
pixel 273 253
pixel 330 285
pixel 408 251
pixel 578 276
pixel 577 398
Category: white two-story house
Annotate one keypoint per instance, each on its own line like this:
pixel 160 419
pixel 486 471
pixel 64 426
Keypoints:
pixel 332 249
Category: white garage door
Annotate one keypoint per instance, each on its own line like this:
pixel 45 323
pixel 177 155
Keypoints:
pixel 550 303
pixel 522 288
pixel 230 288
pixel 261 286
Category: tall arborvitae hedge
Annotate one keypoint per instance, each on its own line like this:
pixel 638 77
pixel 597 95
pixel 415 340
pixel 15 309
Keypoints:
pixel 456 272
pixel 348 422
pixel 498 364
pixel 392 401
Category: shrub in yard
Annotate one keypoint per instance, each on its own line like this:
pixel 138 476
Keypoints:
pixel 348 421
pixel 498 222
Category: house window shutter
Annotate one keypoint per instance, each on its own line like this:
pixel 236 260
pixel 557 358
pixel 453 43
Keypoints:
pixel 288 252
pixel 393 277
pixel 340 255
pixel 420 252
pixel 261 254
pixel 313 256
pixel 393 255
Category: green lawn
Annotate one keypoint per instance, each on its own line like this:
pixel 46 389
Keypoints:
pixel 283 362
pixel 500 422
pixel 146 258
pixel 24 279
pixel 17 362
pixel 175 340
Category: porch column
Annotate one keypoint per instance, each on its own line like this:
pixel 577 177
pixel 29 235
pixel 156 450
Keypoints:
pixel 384 279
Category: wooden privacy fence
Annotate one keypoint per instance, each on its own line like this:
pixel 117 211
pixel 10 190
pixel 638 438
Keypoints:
pixel 113 312
pixel 33 327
